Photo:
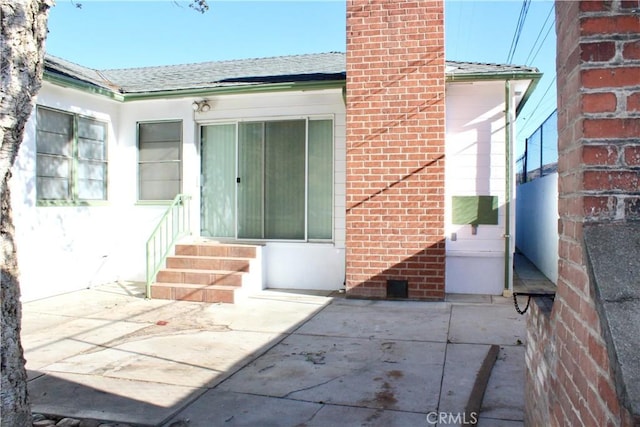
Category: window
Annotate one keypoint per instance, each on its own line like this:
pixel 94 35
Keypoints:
pixel 268 180
pixel 71 158
pixel 159 160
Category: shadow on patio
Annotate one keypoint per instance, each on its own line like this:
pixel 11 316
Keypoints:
pixel 276 358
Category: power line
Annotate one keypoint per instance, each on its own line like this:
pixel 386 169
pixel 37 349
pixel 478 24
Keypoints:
pixel 524 10
pixel 543 103
pixel 539 34
pixel 541 44
pixel 539 102
pixel 536 120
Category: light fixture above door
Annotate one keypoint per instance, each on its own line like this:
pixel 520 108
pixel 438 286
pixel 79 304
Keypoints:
pixel 201 106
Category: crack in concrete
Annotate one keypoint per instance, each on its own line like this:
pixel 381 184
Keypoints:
pixel 151 331
pixel 304 424
pixel 311 387
pixel 266 368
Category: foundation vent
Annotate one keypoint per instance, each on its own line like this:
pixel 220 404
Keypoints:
pixel 397 288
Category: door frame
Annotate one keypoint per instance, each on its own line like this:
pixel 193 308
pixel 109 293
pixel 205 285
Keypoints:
pixel 200 125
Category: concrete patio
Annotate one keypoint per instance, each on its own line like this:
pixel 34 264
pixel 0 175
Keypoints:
pixel 273 359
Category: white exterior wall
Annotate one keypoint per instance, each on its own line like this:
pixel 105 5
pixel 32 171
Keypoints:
pixel 61 249
pixel 292 264
pixel 537 228
pixel 475 166
pixel 65 248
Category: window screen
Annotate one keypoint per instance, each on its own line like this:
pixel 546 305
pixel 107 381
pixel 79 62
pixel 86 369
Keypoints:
pixel 159 160
pixel 71 160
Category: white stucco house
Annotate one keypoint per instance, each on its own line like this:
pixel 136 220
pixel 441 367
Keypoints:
pixel 257 149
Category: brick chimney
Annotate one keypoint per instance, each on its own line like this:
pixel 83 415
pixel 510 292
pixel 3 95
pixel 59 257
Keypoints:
pixel 395 149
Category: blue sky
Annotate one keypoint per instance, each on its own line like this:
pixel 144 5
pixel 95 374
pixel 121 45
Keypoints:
pixel 120 34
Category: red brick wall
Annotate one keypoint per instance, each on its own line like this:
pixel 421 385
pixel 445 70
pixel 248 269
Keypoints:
pixel 395 147
pixel 598 125
pixel 540 358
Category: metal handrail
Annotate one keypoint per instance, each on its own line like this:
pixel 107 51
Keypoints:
pixel 174 224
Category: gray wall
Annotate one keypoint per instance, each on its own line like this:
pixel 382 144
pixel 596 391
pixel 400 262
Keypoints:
pixel 537 223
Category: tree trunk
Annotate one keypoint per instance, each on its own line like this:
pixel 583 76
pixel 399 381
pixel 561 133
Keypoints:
pixel 15 401
pixel 23 29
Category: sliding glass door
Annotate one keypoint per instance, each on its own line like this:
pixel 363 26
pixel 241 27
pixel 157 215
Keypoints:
pixel 218 181
pixel 281 187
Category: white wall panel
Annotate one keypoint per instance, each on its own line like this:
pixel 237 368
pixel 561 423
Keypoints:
pixel 537 223
pixel 475 159
pixel 304 266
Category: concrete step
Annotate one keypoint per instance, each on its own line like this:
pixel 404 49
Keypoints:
pixel 200 277
pixel 204 271
pixel 208 263
pixel 216 250
pixel 194 292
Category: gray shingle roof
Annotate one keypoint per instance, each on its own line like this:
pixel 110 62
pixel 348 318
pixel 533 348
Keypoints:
pixel 461 68
pixel 296 68
pixel 283 69
pixel 324 66
pixel 62 67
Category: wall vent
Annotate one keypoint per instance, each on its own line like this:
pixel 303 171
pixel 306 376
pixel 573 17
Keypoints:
pixel 397 288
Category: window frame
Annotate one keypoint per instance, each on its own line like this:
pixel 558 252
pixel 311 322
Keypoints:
pixel 180 162
pixel 307 119
pixel 74 198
